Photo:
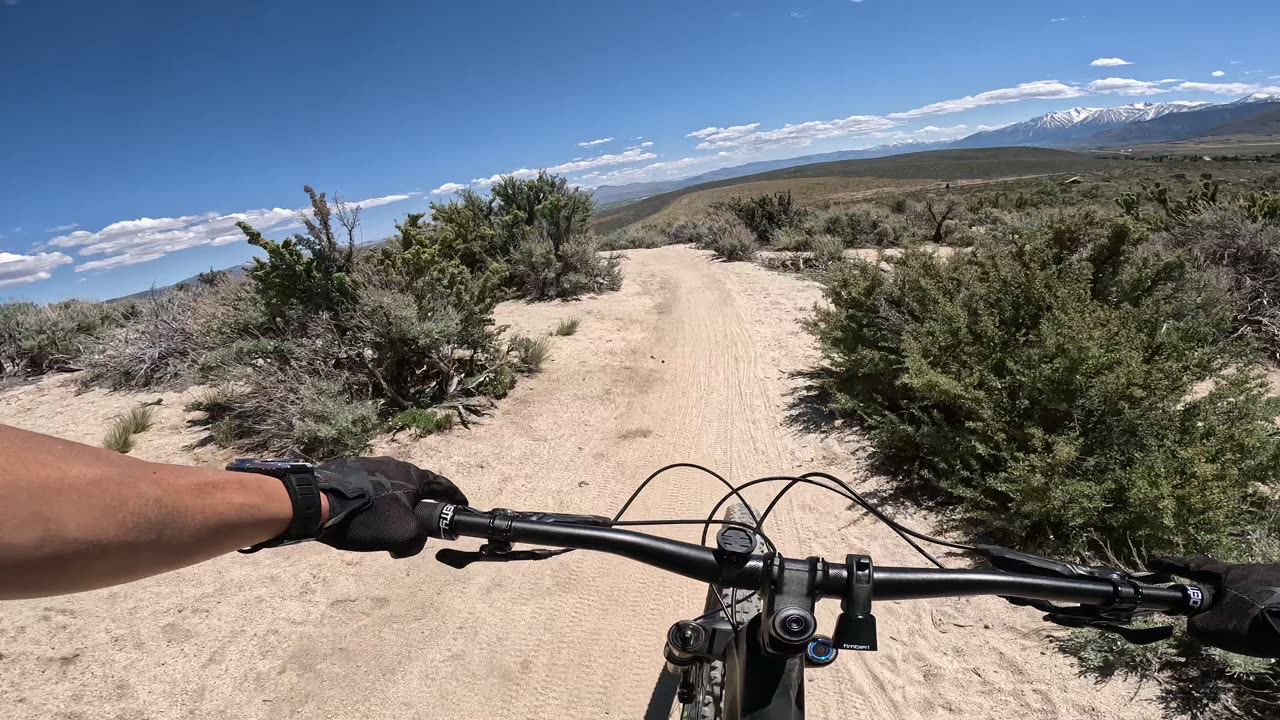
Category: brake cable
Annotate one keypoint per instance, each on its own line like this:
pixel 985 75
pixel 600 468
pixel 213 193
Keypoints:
pixel 694 466
pixel 848 494
pixel 883 518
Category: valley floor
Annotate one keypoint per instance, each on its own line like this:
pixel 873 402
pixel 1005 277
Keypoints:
pixel 690 361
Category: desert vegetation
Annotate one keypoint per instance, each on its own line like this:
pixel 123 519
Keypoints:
pixel 1084 382
pixel 325 344
pixel 122 431
pixel 1082 377
pixel 567 326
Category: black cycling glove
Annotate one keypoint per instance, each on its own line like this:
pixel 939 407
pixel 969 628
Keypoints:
pixel 372 501
pixel 1245 615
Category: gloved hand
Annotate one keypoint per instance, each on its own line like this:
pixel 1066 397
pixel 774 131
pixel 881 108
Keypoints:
pixel 1245 615
pixel 372 501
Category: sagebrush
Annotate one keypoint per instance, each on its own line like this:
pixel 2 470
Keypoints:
pixel 37 339
pixel 1042 384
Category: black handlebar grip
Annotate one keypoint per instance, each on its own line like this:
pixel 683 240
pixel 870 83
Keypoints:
pixel 1199 598
pixel 435 519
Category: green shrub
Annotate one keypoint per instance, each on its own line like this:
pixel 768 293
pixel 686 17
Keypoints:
pixel 629 238
pixel 533 235
pixel 764 215
pixel 568 326
pixel 407 325
pixel 214 401
pixel 541 270
pixel 497 382
pixel 1042 384
pixel 307 273
pixel 302 412
pixel 121 433
pixel 643 237
pixel 421 421
pixel 826 250
pixel 1197 682
pixel 899 205
pixel 530 353
pixel 37 339
pixel 1247 252
pixel 859 226
pixel 884 237
pixel 730 239
pixel 1261 207
pixel 687 230
pixel 792 239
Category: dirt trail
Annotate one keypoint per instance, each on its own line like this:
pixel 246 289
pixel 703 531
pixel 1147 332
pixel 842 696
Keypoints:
pixel 688 362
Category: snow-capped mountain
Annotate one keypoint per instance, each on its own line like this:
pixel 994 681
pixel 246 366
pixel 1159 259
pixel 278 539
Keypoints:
pixel 1067 127
pixel 1233 118
pixel 1257 98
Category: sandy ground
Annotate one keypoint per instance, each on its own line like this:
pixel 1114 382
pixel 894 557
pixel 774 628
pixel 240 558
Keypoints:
pixel 689 362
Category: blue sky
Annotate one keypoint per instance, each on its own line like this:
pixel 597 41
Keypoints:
pixel 135 132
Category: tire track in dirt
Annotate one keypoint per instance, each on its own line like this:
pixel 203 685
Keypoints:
pixel 688 362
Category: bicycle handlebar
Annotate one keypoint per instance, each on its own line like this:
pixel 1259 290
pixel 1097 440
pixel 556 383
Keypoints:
pixel 700 563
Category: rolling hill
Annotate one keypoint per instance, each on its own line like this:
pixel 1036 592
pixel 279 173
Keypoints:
pixel 1264 123
pixel 1142 123
pixel 936 165
pixel 606 195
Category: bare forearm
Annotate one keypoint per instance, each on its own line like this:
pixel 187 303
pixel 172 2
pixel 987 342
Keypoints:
pixel 79 517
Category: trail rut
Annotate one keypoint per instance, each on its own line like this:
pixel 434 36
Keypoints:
pixel 690 361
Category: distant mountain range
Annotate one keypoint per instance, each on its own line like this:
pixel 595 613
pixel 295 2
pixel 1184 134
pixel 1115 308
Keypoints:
pixel 1141 123
pixel 1237 118
pixel 1074 126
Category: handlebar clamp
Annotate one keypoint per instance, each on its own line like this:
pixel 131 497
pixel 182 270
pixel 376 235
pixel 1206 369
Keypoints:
pixel 856 627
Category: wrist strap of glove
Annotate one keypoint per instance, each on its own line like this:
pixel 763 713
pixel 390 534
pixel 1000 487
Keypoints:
pixel 299 479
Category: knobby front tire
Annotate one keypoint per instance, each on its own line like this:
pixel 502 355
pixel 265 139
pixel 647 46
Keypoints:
pixel 708 702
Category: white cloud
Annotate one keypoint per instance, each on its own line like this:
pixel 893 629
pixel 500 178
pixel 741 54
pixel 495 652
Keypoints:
pixel 60 228
pixel 629 156
pixel 23 269
pixel 795 14
pixel 1038 90
pixel 641 145
pixel 1109 62
pixel 653 171
pixel 1058 19
pixel 130 242
pixel 521 174
pixel 988 128
pixel 138 241
pixel 1217 73
pixel 449 187
pixel 716 133
pixel 748 138
pixel 1129 86
pixel 589 143
pixel 384 200
pixel 934 130
pixel 1228 88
